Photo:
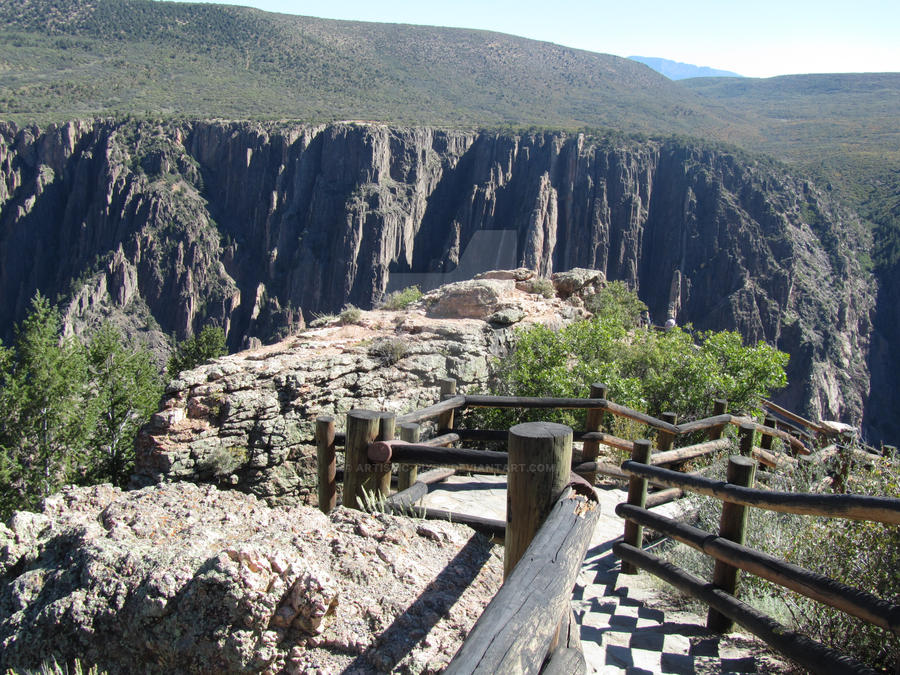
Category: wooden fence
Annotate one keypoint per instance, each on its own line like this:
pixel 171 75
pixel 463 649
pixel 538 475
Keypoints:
pixel 556 509
pixel 728 550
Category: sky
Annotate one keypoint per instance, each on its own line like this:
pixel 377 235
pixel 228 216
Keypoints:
pixel 756 39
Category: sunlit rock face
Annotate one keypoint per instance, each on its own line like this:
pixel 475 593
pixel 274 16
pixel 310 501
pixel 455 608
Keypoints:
pixel 259 227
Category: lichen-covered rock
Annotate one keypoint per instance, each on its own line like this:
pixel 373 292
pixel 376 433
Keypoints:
pixel 247 420
pixel 194 579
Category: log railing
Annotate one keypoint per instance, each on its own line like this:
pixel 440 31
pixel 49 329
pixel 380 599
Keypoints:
pixel 557 518
pixel 728 549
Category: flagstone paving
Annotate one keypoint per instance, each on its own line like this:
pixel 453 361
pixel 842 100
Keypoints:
pixel 627 624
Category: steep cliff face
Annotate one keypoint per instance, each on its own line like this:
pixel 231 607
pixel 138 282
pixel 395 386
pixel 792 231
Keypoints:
pixel 255 226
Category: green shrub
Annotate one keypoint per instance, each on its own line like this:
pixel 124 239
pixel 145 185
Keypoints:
pixel 197 349
pixel 388 351
pixel 650 371
pixel 542 286
pixel 350 314
pixel 402 299
pixel 222 462
pixel 862 555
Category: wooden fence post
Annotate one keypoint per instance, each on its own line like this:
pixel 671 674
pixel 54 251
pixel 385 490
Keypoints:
pixel 666 439
pixel 720 405
pixel 540 459
pixel 637 496
pixel 407 473
pixel 327 464
pixel 591 449
pixel 448 388
pixel 746 432
pixel 362 430
pixel 732 526
pixel 765 441
pixel 381 482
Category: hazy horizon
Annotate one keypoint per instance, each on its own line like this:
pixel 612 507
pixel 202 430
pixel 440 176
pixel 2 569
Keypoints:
pixel 765 40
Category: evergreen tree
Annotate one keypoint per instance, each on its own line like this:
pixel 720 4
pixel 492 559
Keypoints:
pixel 208 344
pixel 126 388
pixel 44 427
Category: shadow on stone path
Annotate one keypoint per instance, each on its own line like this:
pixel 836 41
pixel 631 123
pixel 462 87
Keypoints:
pixel 623 626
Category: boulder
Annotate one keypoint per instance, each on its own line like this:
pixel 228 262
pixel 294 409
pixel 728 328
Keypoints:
pixel 188 578
pixel 475 299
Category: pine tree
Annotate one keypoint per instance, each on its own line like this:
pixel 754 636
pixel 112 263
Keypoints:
pixel 43 426
pixel 126 388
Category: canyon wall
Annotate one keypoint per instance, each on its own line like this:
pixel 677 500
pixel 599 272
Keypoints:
pixel 258 227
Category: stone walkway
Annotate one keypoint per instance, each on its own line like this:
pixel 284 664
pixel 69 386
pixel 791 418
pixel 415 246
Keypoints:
pixel 623 628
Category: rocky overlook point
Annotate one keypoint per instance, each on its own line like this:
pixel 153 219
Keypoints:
pixel 247 420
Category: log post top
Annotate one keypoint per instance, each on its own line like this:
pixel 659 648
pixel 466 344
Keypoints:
pixel 540 430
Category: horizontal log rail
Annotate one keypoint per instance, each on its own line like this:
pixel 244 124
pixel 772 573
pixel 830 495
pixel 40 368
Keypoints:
pixel 567 403
pixel 852 507
pixel 810 654
pixel 689 452
pixel 816 586
pixel 793 417
pixel 451 403
pixel 519 625
pixel 419 453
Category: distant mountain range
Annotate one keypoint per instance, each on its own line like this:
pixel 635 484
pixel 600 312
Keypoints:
pixel 675 70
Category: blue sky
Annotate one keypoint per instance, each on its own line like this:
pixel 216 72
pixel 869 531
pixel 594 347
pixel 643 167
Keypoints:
pixel 757 39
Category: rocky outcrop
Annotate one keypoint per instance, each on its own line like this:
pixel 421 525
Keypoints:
pixel 258 227
pixel 186 578
pixel 248 420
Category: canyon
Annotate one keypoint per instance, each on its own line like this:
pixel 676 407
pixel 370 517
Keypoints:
pixel 163 227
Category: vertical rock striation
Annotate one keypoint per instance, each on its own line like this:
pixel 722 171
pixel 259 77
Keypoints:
pixel 256 226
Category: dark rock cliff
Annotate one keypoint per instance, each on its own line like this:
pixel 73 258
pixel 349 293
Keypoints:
pixel 258 226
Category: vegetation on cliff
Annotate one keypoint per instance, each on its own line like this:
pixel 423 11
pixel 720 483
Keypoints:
pixel 69 412
pixel 648 370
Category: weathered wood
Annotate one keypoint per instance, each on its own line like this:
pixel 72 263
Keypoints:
pixel 408 496
pixel 490 527
pixel 720 405
pixel 445 419
pixel 733 527
pixel 605 468
pixel 746 432
pixel 605 439
pixel 765 441
pixel 810 654
pixel 795 444
pixel 362 430
pixel 513 634
pixel 502 435
pixel 582 403
pixel 794 417
pixel 381 471
pixel 852 507
pixel 663 497
pixel 714 425
pixel 591 447
pixel 666 439
pixel 637 496
pixel 689 452
pixel 422 453
pixel 816 586
pixel 565 661
pixel 407 473
pixel 771 460
pixel 433 410
pixel 540 459
pixel 442 441
pixel 326 463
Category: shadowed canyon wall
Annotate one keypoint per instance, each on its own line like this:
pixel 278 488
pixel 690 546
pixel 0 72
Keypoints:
pixel 164 227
